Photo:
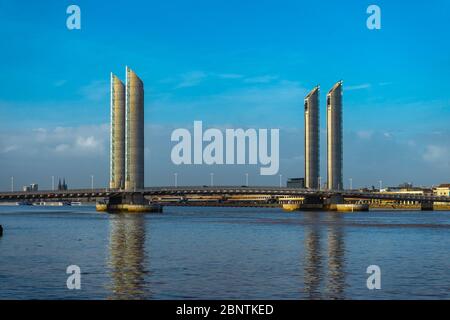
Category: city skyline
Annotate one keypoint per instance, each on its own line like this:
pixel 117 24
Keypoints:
pixel 54 105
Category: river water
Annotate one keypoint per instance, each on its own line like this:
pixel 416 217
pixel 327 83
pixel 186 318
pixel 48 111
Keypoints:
pixel 223 253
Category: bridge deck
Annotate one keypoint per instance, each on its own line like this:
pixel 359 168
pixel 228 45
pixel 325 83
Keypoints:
pixel 219 190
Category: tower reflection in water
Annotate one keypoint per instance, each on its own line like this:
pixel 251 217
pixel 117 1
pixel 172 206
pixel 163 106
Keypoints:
pixel 127 258
pixel 313 257
pixel 317 283
pixel 336 256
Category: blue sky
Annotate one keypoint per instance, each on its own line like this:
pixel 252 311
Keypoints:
pixel 231 64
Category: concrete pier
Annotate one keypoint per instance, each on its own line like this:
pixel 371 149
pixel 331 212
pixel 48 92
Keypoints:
pixel 337 203
pixel 426 205
pixel 132 203
pixel 302 204
pixel 331 203
pixel 352 207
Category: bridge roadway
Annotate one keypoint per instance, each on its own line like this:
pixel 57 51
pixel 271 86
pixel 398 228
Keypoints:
pixel 219 190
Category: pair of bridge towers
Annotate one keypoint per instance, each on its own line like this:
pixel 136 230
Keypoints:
pixel 334 138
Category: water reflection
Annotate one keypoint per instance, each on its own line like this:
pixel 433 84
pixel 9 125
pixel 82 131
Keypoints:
pixel 336 251
pixel 314 275
pixel 313 257
pixel 127 257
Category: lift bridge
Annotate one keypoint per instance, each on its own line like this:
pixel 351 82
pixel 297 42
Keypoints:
pixel 220 192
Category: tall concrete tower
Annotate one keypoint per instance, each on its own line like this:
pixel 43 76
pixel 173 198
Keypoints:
pixel 134 142
pixel 334 137
pixel 312 139
pixel 117 138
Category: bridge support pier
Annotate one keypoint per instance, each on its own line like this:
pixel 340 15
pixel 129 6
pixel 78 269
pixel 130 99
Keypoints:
pixel 426 205
pixel 337 203
pixel 134 202
pixel 331 203
pixel 312 203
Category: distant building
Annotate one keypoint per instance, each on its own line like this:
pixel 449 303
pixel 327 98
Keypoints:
pixel 62 186
pixel 411 190
pixel 403 191
pixel 405 185
pixel 31 187
pixel 296 183
pixel 442 190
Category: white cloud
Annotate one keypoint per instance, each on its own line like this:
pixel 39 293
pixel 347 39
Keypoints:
pixel 358 87
pixel 261 79
pixel 59 83
pixel 88 142
pixel 364 134
pixel 229 76
pixel 9 148
pixel 277 104
pixel 437 154
pixel 95 91
pixel 194 78
pixel 61 141
pixel 77 152
pixel 62 147
pixel 411 143
pixel 191 79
